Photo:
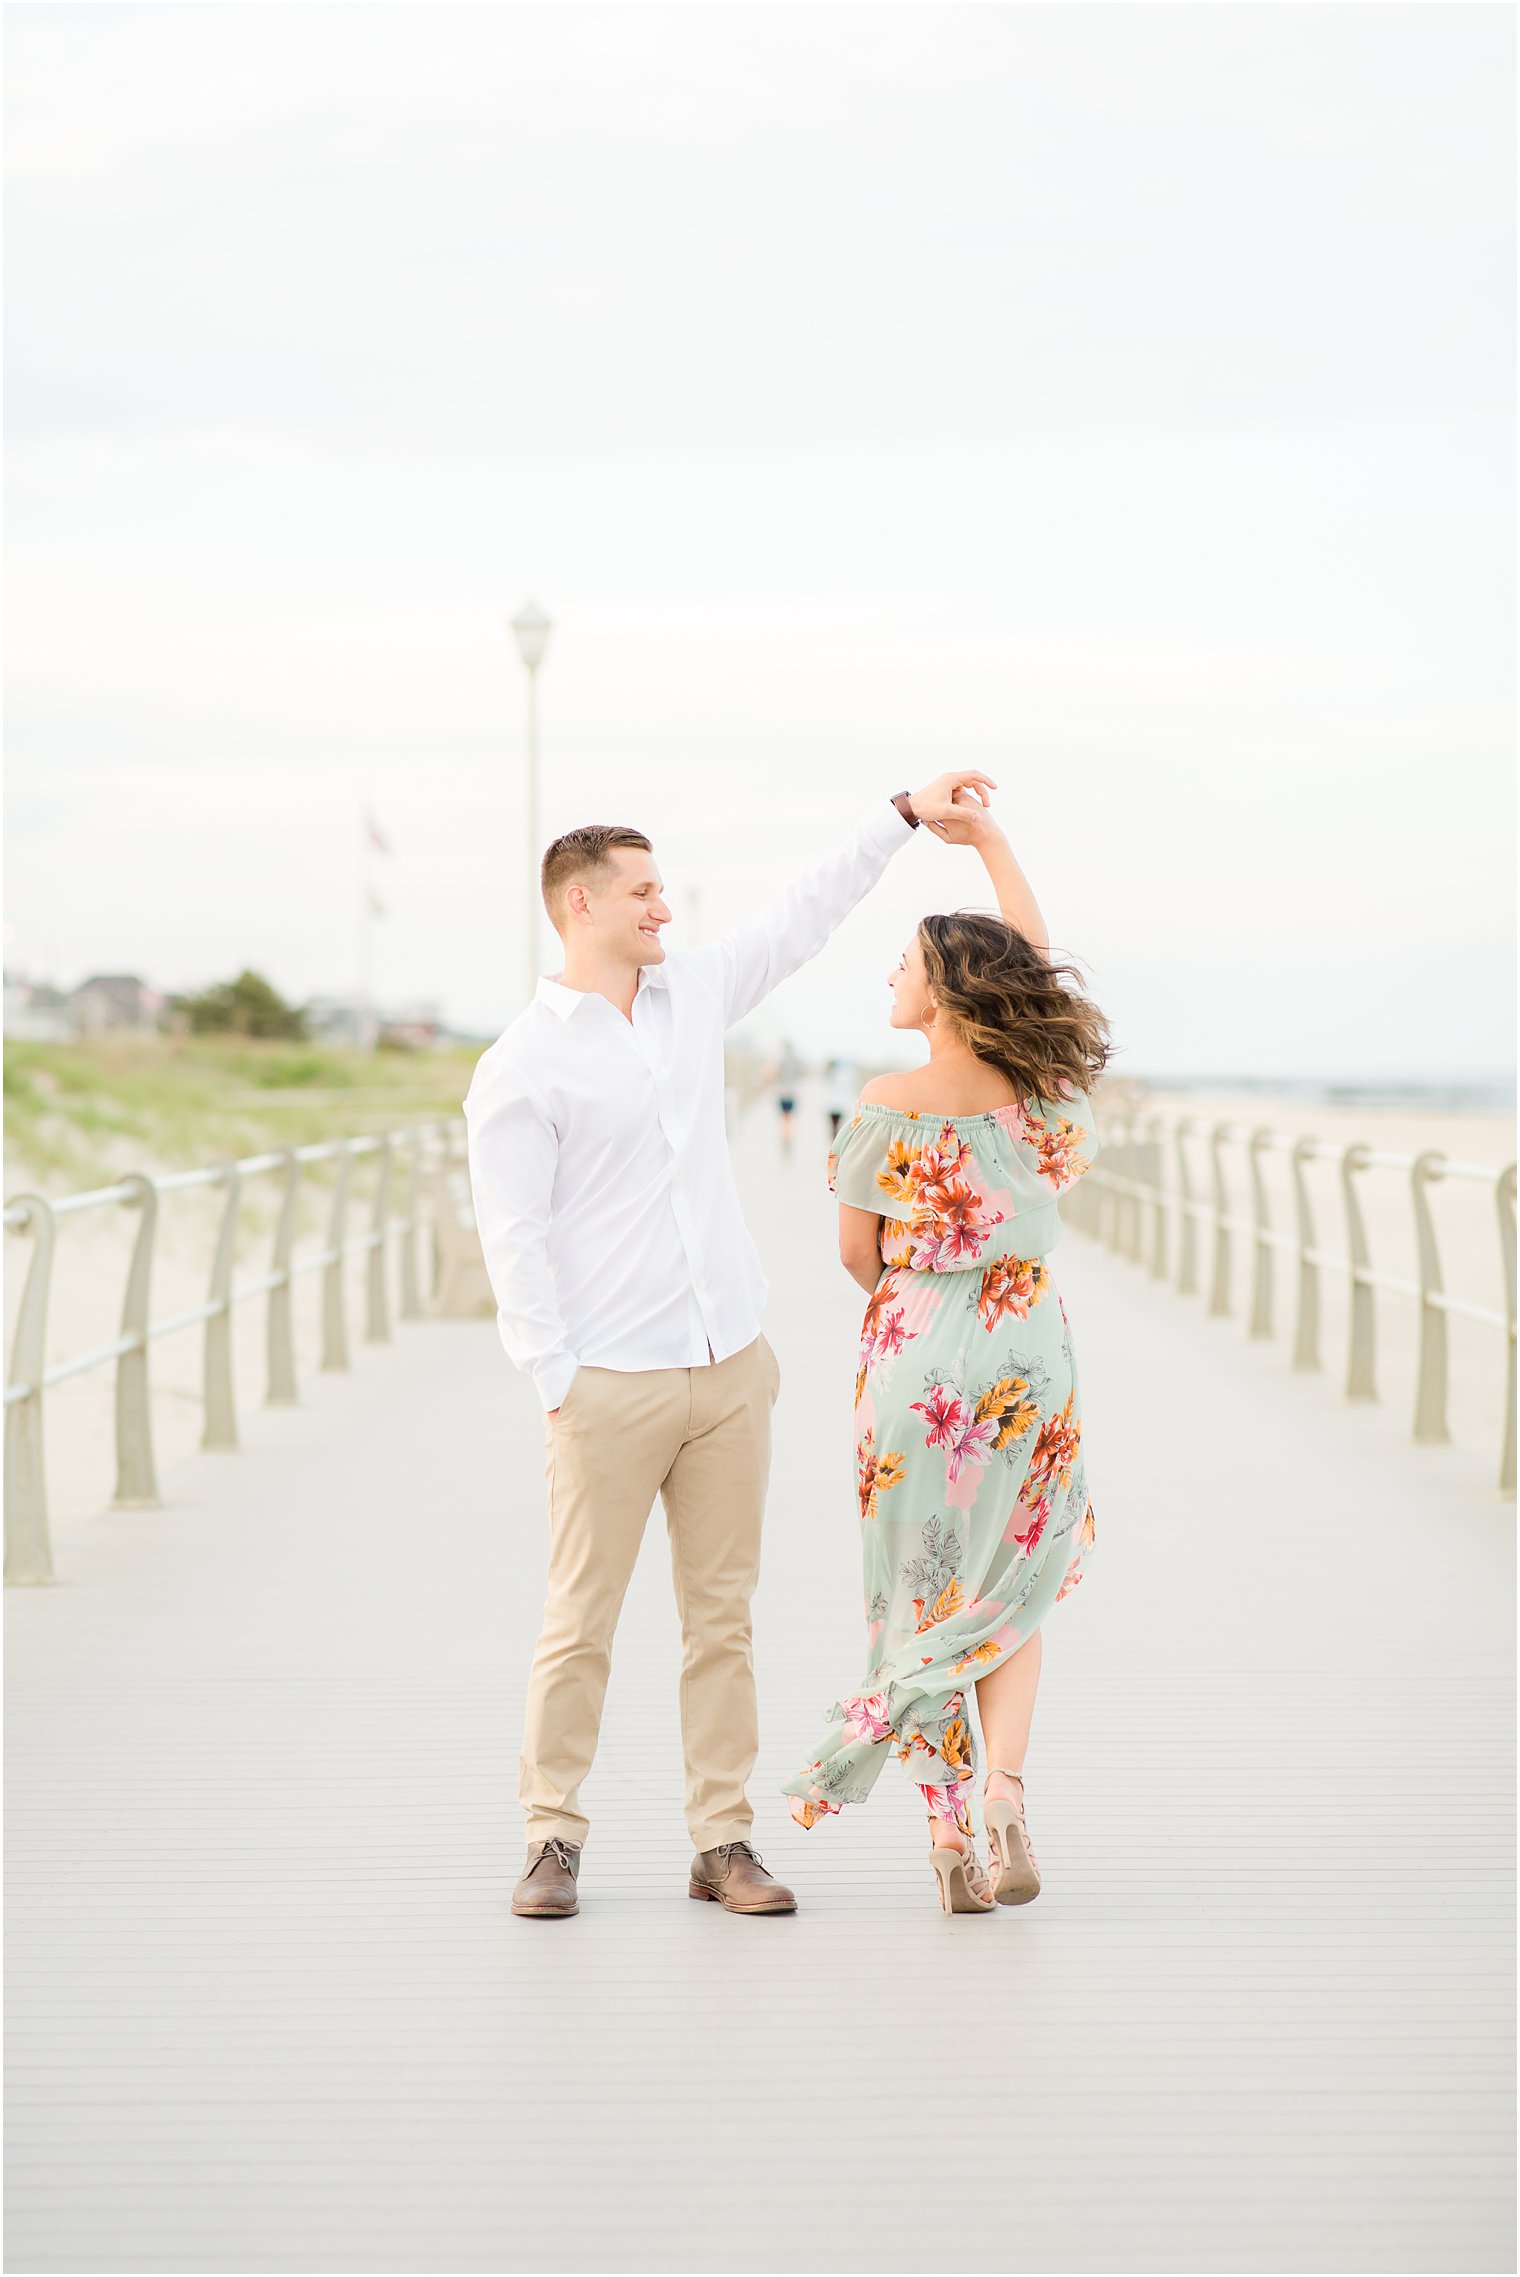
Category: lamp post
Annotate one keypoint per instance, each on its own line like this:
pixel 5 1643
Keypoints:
pixel 531 629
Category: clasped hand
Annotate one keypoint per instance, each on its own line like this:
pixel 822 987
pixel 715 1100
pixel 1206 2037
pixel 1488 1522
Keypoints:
pixel 956 806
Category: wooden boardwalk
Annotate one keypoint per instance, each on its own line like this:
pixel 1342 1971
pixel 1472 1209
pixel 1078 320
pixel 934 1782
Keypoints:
pixel 267 2010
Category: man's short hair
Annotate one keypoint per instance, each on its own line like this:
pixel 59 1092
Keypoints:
pixel 580 853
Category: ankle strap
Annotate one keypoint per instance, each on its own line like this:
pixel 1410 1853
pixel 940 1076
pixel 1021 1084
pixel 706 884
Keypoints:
pixel 1001 1771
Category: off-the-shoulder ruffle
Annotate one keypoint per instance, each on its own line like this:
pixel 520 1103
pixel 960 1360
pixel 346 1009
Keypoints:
pixel 958 1191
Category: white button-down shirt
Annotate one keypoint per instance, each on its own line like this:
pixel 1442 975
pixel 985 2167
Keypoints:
pixel 598 1150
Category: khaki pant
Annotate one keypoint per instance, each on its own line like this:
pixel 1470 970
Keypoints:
pixel 700 1438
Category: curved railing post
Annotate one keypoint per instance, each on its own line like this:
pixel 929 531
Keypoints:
pixel 1134 1247
pixel 1133 1174
pixel 1187 1231
pixel 1306 1321
pixel 377 1326
pixel 28 1552
pixel 1430 1425
pixel 1109 1194
pixel 445 1164
pixel 1155 1162
pixel 1114 1233
pixel 1260 1323
pixel 1124 1169
pixel 1360 1343
pixel 1504 1197
pixel 136 1476
pixel 411 1299
pixel 334 1306
pixel 280 1347
pixel 1113 1201
pixel 1219 1285
pixel 220 1433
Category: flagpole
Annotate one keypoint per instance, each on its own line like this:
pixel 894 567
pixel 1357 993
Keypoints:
pixel 530 899
pixel 372 841
pixel 531 629
pixel 366 930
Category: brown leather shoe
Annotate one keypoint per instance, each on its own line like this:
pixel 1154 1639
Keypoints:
pixel 547 1889
pixel 732 1875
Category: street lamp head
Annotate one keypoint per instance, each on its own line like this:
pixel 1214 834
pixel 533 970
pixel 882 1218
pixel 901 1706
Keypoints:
pixel 532 629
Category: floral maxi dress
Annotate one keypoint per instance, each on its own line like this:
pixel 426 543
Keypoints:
pixel 974 1512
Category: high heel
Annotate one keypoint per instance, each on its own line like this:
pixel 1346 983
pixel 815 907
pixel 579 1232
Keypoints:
pixel 1015 1875
pixel 963 1887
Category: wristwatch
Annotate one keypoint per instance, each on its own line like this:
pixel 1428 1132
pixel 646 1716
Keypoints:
pixel 903 801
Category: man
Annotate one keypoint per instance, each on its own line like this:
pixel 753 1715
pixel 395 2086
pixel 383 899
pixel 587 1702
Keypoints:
pixel 629 1290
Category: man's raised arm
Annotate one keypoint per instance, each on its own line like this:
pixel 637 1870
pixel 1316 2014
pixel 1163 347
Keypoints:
pixel 756 957
pixel 513 1149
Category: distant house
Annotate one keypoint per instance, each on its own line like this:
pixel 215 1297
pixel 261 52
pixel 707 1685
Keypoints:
pixel 110 1001
pixel 344 1020
pixel 121 1003
pixel 339 1020
pixel 36 1012
pixel 418 1027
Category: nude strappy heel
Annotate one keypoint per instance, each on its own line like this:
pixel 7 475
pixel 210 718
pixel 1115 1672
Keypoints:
pixel 963 1887
pixel 1015 1875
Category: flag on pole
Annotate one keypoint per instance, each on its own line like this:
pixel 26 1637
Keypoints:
pixel 376 905
pixel 377 837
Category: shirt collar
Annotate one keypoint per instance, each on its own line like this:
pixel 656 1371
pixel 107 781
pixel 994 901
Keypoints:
pixel 567 1001
pixel 564 1001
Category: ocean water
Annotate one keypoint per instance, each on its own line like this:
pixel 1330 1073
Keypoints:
pixel 1478 1095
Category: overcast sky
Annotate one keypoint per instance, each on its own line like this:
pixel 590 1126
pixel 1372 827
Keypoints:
pixel 1117 399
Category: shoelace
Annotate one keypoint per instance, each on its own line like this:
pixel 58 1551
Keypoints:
pixel 727 1849
pixel 561 1852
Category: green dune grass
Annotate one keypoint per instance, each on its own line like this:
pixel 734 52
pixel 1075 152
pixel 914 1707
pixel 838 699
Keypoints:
pixel 79 1114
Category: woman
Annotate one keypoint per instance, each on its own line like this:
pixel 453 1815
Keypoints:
pixel 973 1494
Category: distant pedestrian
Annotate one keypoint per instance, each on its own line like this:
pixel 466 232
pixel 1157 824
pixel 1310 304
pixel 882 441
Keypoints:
pixel 789 1073
pixel 839 1087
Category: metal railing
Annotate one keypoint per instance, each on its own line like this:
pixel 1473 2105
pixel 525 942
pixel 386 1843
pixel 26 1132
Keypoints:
pixel 28 1550
pixel 1127 1186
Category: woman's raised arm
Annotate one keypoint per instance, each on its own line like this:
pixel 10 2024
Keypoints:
pixel 1014 892
pixel 974 825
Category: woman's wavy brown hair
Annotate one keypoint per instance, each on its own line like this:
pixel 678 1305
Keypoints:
pixel 1007 998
